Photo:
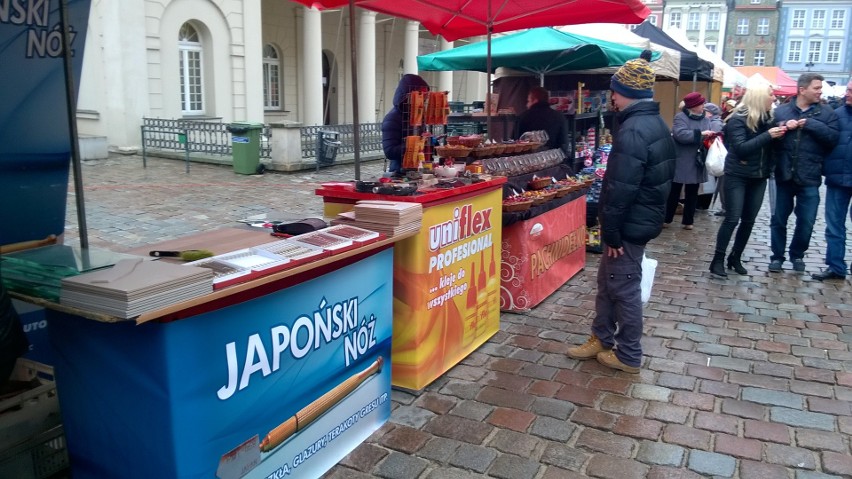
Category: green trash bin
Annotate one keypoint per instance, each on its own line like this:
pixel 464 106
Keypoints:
pixel 245 147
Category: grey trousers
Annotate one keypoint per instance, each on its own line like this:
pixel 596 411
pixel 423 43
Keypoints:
pixel 618 304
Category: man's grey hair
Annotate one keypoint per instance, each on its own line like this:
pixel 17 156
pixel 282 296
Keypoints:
pixel 805 79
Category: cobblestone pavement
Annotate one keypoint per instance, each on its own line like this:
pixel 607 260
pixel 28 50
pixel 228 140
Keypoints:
pixel 749 377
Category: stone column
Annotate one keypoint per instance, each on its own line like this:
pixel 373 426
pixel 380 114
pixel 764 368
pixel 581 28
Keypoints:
pixel 367 66
pixel 445 79
pixel 312 67
pixel 723 24
pixel 702 22
pixel 412 46
pixel 474 82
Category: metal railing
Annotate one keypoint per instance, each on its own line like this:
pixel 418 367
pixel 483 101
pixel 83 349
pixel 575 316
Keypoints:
pixel 371 138
pixel 207 136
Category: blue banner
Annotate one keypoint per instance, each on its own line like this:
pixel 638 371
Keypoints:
pixel 35 144
pixel 284 385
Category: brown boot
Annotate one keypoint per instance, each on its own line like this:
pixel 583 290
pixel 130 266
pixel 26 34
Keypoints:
pixel 587 350
pixel 610 360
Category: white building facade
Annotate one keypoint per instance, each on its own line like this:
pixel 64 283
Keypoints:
pixel 267 61
pixel 704 21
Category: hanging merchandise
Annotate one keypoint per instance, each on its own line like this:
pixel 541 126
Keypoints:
pixel 438 108
pixel 417 102
pixel 413 150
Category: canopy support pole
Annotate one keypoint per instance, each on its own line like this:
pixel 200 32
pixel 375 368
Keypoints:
pixel 71 105
pixel 356 130
pixel 488 96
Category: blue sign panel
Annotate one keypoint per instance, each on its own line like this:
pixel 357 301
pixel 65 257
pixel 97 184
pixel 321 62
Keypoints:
pixel 284 385
pixel 34 135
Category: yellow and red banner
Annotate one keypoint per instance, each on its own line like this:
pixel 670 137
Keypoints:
pixel 542 253
pixel 446 288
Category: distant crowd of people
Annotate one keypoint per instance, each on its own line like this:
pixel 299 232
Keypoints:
pixel 790 146
pixel 795 144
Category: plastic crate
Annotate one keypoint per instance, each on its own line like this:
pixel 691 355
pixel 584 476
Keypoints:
pixel 32 441
pixel 40 457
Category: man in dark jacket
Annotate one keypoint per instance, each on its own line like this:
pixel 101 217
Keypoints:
pixel 539 116
pixel 812 132
pixel 631 211
pixel 395 125
pixel 838 185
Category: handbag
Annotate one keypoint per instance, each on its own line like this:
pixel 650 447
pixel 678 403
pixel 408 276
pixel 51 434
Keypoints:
pixel 701 156
pixel 715 160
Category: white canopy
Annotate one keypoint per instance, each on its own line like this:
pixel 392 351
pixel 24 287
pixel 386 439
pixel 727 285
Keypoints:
pixel 668 65
pixel 731 77
pixel 679 36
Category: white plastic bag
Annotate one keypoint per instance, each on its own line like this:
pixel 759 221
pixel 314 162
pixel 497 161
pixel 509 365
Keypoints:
pixel 649 267
pixel 716 158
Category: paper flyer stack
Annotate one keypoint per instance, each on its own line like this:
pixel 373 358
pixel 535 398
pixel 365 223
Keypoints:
pixel 135 286
pixel 390 218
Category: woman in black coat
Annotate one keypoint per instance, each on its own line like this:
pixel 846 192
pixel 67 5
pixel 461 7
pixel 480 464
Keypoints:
pixel 749 132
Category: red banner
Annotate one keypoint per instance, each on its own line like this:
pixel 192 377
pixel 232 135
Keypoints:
pixel 540 254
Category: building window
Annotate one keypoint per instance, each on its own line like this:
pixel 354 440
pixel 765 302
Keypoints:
pixel 191 71
pixel 832 54
pixel 798 19
pixel 674 20
pixel 742 26
pixel 271 78
pixel 652 19
pixel 739 58
pixel 713 20
pixel 814 50
pixel 694 21
pixel 838 19
pixel 818 20
pixel 759 58
pixel 710 46
pixel 763 26
pixel 794 52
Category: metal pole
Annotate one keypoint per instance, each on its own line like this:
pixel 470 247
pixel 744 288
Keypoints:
pixel 488 96
pixel 71 104
pixel 353 44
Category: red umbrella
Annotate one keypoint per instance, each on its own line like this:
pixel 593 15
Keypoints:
pixel 454 19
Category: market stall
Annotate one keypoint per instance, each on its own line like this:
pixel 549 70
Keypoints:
pixel 283 374
pixel 445 278
pixel 544 245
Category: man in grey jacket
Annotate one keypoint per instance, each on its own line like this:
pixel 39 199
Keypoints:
pixel 631 211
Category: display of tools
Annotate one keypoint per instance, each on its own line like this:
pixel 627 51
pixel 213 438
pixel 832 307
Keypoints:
pixel 243 458
pixel 185 255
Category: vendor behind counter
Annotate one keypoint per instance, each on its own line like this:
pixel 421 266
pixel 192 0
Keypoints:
pixel 540 116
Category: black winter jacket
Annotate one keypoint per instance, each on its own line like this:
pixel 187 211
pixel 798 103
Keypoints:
pixel 541 117
pixel 750 153
pixel 801 152
pixel 394 126
pixel 638 177
pixel 838 165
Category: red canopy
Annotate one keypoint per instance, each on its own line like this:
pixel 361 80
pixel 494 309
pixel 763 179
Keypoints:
pixel 784 85
pixel 454 19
